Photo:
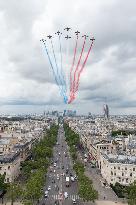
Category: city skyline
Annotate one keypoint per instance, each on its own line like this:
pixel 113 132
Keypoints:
pixel 26 82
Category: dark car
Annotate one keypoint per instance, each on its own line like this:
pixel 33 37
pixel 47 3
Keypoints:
pixel 56 203
pixel 62 167
pixel 71 174
pixel 53 180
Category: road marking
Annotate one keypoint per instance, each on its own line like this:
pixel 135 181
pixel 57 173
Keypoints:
pixel 57 196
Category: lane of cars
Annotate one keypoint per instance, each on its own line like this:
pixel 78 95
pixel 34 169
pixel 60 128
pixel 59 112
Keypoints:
pixel 60 172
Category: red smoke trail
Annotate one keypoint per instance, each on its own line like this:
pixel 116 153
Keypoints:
pixel 73 63
pixel 83 65
pixel 72 97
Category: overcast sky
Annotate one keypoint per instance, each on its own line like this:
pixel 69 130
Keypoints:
pixel 26 80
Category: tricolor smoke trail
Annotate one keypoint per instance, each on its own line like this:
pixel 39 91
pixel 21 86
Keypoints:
pixel 61 67
pixel 59 74
pixel 72 96
pixel 83 65
pixel 71 70
pixel 67 71
pixel 53 70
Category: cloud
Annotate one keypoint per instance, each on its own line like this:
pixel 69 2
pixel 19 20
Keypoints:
pixel 25 74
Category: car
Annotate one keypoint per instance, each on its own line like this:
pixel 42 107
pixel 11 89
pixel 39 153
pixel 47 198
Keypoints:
pixel 71 174
pixel 58 176
pixel 53 180
pixel 56 202
pixel 57 188
pixel 49 188
pixel 46 194
pixel 65 195
pixel 62 167
pixel 54 170
pixel 72 179
pixel 54 165
pixel 74 201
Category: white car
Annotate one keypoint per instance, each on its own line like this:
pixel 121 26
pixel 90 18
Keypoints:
pixel 72 179
pixel 46 194
pixel 65 195
pixel 54 164
pixel 74 201
pixel 58 176
pixel 49 188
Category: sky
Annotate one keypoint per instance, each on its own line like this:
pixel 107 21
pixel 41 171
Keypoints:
pixel 27 84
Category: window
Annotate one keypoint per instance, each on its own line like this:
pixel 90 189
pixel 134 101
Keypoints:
pixel 130 174
pixel 125 168
pixel 118 168
pixel 111 172
pixel 8 167
pixel 0 168
pixel 114 167
pixel 122 174
pixel 133 169
pixel 7 179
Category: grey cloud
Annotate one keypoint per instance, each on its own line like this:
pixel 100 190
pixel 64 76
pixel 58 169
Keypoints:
pixel 110 71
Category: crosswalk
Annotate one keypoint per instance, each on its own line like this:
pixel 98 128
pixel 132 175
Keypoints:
pixel 57 197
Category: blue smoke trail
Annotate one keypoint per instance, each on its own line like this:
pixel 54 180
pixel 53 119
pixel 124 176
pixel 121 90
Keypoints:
pixel 58 74
pixel 53 70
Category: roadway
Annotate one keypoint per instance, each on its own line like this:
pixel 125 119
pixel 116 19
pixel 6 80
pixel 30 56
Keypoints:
pixel 63 161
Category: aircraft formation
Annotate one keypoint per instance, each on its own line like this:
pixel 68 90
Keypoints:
pixel 68 82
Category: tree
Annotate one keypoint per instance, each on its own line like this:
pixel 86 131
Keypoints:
pixel 14 191
pixel 132 194
pixel 33 187
pixel 3 185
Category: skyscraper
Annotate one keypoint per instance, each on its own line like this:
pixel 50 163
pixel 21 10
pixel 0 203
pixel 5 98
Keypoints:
pixel 106 110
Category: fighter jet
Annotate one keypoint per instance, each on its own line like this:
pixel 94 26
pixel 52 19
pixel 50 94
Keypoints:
pixel 49 36
pixel 58 32
pixel 43 40
pixel 92 39
pixel 67 28
pixel 77 32
pixel 67 37
pixel 85 36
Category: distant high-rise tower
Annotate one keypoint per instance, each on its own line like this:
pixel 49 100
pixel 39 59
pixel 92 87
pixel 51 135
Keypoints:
pixel 106 110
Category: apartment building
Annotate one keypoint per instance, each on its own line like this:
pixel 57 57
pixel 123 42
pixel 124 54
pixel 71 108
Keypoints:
pixel 10 166
pixel 118 168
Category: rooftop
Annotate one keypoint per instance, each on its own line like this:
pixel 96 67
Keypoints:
pixel 124 159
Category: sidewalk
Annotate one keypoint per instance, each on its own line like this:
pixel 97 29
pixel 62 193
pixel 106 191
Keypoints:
pixel 109 203
pixel 106 196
